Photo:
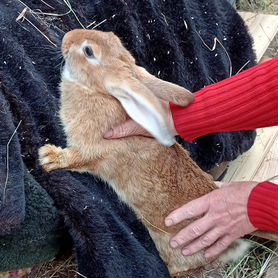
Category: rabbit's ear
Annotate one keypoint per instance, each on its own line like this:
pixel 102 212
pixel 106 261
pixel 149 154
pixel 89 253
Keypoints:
pixel 163 89
pixel 143 107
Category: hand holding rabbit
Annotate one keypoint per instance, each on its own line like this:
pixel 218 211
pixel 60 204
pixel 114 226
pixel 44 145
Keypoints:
pixel 131 128
pixel 224 219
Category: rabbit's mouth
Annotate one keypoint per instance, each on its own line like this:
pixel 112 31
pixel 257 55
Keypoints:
pixel 67 75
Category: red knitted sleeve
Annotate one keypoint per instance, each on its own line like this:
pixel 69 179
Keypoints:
pixel 245 101
pixel 263 206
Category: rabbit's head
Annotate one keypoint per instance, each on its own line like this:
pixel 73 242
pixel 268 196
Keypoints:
pixel 99 61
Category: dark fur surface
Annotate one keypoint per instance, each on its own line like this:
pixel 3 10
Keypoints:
pixel 108 239
pixel 40 235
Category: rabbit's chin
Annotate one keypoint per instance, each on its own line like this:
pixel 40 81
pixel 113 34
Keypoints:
pixel 66 75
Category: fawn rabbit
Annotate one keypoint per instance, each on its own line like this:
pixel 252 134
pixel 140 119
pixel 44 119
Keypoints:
pixel 101 85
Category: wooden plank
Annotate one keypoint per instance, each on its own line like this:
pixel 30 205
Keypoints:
pixel 269 166
pixel 255 163
pixel 262 28
pixel 266 235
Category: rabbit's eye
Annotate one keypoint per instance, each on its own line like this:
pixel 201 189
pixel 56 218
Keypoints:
pixel 88 51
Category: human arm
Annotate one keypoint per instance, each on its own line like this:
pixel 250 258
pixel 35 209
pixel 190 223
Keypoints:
pixel 243 102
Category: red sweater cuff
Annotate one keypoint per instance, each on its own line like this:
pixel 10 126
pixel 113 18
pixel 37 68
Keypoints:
pixel 263 206
pixel 245 101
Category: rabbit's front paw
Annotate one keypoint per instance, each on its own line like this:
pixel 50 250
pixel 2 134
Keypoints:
pixel 51 157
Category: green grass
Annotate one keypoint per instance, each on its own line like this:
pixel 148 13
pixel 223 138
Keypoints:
pixel 255 263
pixel 262 6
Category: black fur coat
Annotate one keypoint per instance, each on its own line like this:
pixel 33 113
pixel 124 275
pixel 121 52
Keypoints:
pixel 166 37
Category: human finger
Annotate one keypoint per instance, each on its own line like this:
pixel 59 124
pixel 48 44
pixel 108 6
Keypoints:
pixel 191 209
pixel 219 246
pixel 194 230
pixel 129 128
pixel 202 242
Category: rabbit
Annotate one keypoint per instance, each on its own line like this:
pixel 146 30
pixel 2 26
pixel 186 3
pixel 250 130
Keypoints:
pixel 101 87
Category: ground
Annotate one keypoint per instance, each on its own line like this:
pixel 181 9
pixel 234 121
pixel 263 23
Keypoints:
pixel 262 6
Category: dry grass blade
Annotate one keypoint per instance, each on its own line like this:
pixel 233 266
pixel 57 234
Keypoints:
pixel 7 162
pixel 62 268
pixel 265 265
pixel 99 24
pixel 88 26
pixel 81 275
pixel 47 4
pixel 22 17
pixel 211 80
pixel 254 264
pixel 165 19
pixel 215 41
pixel 243 67
pixel 185 24
pixel 237 265
pixel 39 12
pixel 265 6
pixel 159 229
pixel 67 2
pixel 23 3
pixel 263 246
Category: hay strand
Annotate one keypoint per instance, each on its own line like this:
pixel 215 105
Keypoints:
pixel 22 17
pixel 67 2
pixel 47 5
pixel 215 41
pixel 161 230
pixel 240 70
pixel 99 24
pixel 7 162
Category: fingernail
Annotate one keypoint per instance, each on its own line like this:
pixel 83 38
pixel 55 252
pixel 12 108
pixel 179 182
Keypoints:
pixel 108 134
pixel 174 244
pixel 185 252
pixel 169 222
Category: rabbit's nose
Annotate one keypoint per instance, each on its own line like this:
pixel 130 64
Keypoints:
pixel 66 43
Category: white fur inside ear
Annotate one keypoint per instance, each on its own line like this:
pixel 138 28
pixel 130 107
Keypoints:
pixel 142 111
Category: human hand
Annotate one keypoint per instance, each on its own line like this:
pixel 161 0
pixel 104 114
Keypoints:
pixel 131 128
pixel 224 218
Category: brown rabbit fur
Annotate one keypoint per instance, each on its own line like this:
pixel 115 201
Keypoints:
pixel 151 178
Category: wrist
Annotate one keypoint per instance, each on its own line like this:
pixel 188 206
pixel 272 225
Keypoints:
pixel 245 189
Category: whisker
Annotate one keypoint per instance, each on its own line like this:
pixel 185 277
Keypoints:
pixel 62 66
